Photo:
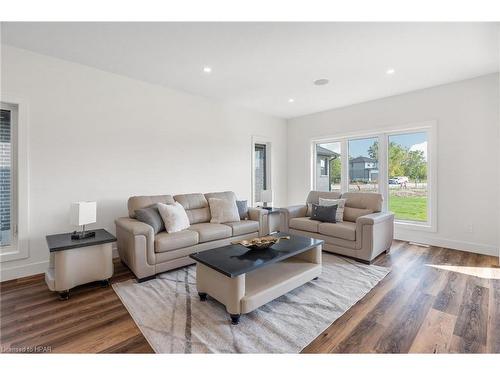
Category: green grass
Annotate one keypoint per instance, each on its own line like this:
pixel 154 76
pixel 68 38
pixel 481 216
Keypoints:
pixel 409 208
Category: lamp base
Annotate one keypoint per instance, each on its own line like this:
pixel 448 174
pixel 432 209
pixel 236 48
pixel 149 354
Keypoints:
pixel 82 235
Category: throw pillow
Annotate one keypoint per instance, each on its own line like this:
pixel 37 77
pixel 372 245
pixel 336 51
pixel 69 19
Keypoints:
pixel 340 207
pixel 174 216
pixel 351 213
pixel 223 210
pixel 242 209
pixel 151 216
pixel 324 213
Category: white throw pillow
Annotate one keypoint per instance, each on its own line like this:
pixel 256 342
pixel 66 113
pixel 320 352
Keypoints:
pixel 174 216
pixel 339 216
pixel 223 210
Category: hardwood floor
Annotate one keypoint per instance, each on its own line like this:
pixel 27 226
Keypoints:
pixel 434 300
pixel 93 320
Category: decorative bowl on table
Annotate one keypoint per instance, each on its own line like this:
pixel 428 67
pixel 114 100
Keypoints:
pixel 261 243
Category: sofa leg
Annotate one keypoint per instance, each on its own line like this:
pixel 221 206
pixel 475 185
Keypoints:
pixel 64 295
pixel 142 279
pixel 203 296
pixel 235 318
pixel 388 251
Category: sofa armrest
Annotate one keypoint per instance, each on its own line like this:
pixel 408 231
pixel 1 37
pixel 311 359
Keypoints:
pixel 295 211
pixel 135 241
pixel 375 218
pixel 374 233
pixel 260 215
pixel 134 226
pixel 290 213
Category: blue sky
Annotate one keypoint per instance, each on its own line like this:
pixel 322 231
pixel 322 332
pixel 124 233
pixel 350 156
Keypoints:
pixel 359 147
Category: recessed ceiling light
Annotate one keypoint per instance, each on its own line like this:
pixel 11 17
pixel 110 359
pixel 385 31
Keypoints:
pixel 321 82
pixel 207 69
pixel 291 100
pixel 390 71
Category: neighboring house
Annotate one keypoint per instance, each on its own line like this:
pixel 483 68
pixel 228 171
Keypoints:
pixel 323 157
pixel 363 169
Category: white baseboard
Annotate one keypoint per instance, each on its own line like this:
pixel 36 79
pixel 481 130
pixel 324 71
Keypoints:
pixel 23 271
pixel 472 247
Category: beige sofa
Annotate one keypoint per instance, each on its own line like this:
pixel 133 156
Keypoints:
pixel 364 234
pixel 147 254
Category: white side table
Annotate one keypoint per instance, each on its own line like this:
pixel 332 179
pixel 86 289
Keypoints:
pixel 77 262
pixel 272 221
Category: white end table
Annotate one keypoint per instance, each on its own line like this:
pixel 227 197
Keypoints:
pixel 77 262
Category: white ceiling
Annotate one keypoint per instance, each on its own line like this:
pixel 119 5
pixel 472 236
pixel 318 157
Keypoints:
pixel 261 65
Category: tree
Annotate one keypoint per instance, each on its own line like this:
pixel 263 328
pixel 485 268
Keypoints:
pixel 373 150
pixel 335 170
pixel 397 155
pixel 415 166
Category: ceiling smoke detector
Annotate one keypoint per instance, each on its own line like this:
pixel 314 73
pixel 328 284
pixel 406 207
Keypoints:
pixel 321 82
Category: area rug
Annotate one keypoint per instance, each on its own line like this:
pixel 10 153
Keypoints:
pixel 172 318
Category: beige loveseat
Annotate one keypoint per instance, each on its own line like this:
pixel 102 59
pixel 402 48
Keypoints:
pixel 365 232
pixel 147 254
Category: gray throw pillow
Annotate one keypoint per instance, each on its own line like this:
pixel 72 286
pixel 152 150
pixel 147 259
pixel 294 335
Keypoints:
pixel 242 209
pixel 325 214
pixel 151 216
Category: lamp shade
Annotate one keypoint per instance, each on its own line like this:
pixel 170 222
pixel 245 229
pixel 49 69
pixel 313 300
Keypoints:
pixel 83 213
pixel 266 195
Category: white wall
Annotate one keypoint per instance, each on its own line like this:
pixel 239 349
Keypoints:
pixel 467 125
pixel 99 136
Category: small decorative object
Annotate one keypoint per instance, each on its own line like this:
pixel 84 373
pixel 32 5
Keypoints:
pixel 83 213
pixel 266 196
pixel 261 242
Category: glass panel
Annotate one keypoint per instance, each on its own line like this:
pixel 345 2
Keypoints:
pixel 5 178
pixel 363 165
pixel 260 171
pixel 408 176
pixel 328 166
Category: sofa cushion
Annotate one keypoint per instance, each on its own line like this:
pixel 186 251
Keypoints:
pixel 174 217
pixel 344 230
pixel 242 209
pixel 324 213
pixel 221 195
pixel 211 232
pixel 351 213
pixel 223 210
pixel 151 216
pixel 370 201
pixel 172 241
pixel 135 203
pixel 340 203
pixel 314 195
pixel 243 227
pixel 304 223
pixel 196 207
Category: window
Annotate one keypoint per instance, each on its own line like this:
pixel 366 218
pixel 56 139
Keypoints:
pixel 8 117
pixel 396 163
pixel 408 193
pixel 328 169
pixel 363 164
pixel 260 170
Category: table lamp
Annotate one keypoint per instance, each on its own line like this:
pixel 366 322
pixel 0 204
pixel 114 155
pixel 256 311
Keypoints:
pixel 83 213
pixel 266 196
